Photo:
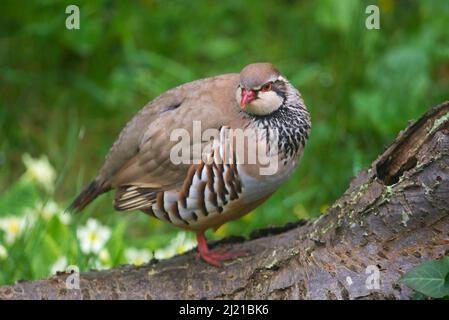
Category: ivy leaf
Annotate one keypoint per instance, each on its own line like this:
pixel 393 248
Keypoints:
pixel 430 278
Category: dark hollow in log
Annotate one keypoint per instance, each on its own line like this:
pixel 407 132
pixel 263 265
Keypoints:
pixel 394 216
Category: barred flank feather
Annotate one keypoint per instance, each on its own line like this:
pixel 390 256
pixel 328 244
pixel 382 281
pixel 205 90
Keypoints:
pixel 93 190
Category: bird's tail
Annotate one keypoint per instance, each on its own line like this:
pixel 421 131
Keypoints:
pixel 89 193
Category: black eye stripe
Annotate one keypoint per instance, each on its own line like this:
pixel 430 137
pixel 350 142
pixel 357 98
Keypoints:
pixel 279 88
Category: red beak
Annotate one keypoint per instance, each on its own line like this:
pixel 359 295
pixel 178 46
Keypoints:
pixel 247 97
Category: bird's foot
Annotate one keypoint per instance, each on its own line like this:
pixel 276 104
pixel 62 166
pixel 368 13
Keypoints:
pixel 215 257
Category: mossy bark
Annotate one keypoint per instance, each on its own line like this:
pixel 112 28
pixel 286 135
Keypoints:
pixel 393 216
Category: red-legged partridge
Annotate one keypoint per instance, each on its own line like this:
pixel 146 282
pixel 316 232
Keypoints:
pixel 207 152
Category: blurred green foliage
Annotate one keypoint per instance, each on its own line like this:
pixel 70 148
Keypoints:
pixel 66 94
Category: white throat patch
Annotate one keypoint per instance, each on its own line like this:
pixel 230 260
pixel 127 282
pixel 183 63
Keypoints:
pixel 266 103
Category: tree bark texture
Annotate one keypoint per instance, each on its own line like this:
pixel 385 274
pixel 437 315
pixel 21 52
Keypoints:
pixel 394 216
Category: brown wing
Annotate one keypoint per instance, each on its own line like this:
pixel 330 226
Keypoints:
pixel 140 157
pixel 141 154
pixel 206 188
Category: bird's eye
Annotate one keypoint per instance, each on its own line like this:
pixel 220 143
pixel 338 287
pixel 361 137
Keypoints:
pixel 266 87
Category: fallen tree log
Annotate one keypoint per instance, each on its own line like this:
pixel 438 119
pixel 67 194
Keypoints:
pixel 393 216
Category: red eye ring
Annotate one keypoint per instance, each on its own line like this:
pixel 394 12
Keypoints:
pixel 266 87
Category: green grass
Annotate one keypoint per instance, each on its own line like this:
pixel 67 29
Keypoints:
pixel 67 94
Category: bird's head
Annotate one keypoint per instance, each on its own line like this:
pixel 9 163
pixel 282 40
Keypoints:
pixel 262 89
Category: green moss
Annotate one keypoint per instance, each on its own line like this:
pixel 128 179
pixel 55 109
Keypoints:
pixel 438 122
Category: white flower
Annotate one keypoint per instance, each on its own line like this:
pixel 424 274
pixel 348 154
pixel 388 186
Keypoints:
pixel 13 227
pixel 104 260
pixel 30 217
pixel 3 253
pixel 93 236
pixel 137 257
pixel 183 243
pixel 104 257
pixel 64 217
pixel 40 170
pixel 164 253
pixel 100 265
pixel 180 244
pixel 31 214
pixel 50 209
pixel 60 265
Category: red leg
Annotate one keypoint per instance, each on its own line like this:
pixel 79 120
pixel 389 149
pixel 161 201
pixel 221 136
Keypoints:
pixel 216 257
